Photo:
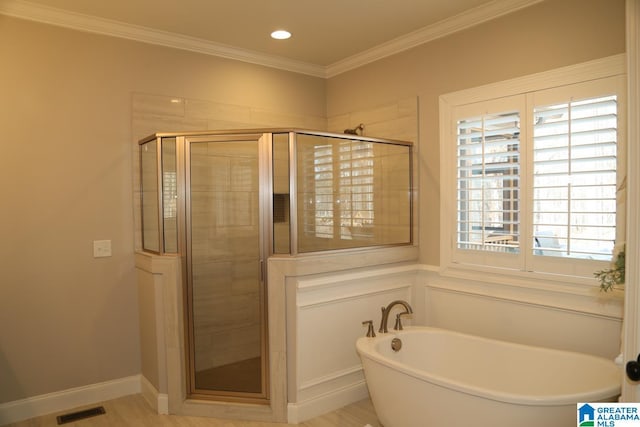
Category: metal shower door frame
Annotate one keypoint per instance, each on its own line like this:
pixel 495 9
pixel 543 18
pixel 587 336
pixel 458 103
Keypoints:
pixel 264 142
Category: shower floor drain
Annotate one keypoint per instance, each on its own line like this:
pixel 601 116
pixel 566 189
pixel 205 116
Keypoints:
pixel 80 415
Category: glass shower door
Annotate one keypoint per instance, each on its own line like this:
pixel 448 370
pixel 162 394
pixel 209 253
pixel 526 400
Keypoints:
pixel 225 292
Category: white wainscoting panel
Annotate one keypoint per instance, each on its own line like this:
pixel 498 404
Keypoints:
pixel 543 318
pixel 325 317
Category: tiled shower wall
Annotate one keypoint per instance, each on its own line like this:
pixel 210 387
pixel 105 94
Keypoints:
pixel 395 120
pixel 227 322
pixel 225 253
pixel 159 113
pixel 155 113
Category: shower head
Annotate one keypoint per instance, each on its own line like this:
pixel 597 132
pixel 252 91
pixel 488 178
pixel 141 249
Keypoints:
pixel 355 130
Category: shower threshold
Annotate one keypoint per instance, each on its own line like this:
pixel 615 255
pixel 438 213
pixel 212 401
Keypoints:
pixel 241 376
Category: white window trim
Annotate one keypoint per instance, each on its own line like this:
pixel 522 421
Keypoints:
pixel 602 68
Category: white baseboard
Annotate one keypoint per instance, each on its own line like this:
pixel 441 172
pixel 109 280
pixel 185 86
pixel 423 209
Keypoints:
pixel 302 411
pixel 44 404
pixel 158 401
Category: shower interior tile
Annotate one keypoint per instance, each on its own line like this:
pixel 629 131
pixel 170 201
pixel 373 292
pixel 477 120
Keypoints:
pixel 207 110
pixel 276 119
pixel 159 105
pixel 408 107
pixel 227 125
pixel 339 123
pixel 145 124
pixel 314 123
pixel 384 113
pixel 397 120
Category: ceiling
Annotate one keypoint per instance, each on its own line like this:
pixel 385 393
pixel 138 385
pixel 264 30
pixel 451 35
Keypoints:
pixel 326 33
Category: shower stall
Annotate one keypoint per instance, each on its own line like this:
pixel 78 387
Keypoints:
pixel 225 202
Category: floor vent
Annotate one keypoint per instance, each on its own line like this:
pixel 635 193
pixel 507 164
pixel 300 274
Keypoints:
pixel 80 415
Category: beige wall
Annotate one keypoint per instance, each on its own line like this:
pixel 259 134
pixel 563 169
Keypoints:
pixel 548 35
pixel 67 319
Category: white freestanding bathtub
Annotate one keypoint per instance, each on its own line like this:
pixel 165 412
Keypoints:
pixel 442 378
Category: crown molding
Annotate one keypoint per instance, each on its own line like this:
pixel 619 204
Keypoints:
pixel 34 12
pixel 81 22
pixel 462 21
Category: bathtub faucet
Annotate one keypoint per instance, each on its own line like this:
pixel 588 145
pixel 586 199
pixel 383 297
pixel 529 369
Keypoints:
pixel 385 315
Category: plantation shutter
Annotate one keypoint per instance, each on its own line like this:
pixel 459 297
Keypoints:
pixel 574 178
pixel 488 182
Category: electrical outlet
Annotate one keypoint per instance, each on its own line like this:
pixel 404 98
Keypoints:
pixel 101 248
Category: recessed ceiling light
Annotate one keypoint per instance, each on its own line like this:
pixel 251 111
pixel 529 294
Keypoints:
pixel 280 35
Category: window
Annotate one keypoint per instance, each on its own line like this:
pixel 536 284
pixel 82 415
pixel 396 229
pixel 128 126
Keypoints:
pixel 534 175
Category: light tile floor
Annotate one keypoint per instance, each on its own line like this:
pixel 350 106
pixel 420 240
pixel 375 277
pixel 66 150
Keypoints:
pixel 130 411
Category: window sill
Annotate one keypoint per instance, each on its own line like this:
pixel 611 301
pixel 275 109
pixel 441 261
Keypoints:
pixel 579 294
